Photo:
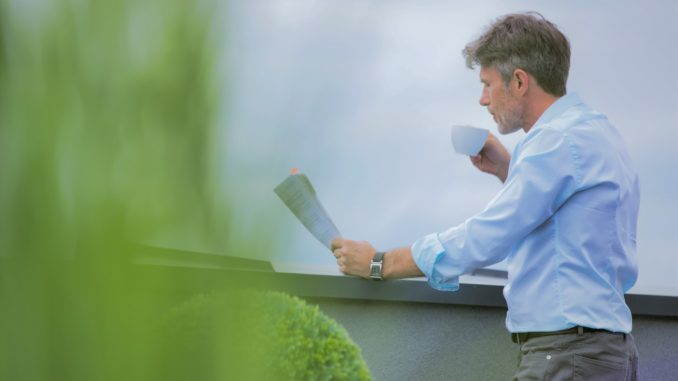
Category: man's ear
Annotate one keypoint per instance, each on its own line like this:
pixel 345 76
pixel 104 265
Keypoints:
pixel 520 81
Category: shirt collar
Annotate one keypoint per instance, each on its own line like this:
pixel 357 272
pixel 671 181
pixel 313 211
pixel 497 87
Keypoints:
pixel 558 107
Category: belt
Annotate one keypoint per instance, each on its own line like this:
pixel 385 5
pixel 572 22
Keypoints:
pixel 522 337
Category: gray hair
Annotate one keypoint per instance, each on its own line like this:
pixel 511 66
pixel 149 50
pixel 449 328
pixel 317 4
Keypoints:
pixel 524 41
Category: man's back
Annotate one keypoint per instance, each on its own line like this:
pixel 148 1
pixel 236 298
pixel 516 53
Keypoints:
pixel 575 266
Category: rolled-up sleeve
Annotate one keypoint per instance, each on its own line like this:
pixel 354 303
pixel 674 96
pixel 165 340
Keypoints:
pixel 426 252
pixel 542 176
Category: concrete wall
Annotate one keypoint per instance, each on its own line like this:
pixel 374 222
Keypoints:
pixel 421 341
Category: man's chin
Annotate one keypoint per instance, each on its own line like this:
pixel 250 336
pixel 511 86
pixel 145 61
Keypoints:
pixel 503 130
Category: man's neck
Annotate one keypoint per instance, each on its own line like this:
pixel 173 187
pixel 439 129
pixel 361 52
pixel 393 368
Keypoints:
pixel 538 101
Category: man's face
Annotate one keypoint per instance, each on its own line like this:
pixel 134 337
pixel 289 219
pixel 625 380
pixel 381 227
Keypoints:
pixel 505 107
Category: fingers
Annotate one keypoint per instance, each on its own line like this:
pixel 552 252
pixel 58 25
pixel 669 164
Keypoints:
pixel 340 256
pixel 338 246
pixel 338 243
pixel 475 159
pixel 478 162
pixel 341 262
pixel 352 257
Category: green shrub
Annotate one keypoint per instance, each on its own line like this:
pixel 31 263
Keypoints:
pixel 257 336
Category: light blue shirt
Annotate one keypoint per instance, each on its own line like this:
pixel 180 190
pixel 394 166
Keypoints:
pixel 565 220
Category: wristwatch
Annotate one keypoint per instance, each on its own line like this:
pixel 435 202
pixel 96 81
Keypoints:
pixel 376 266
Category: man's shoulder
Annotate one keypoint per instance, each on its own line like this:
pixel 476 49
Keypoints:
pixel 577 128
pixel 575 117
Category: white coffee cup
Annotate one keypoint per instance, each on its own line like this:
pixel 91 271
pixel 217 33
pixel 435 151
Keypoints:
pixel 468 140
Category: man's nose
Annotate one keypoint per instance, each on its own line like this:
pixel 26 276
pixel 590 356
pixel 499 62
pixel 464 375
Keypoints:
pixel 484 99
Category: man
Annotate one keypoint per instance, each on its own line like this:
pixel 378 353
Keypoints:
pixel 565 218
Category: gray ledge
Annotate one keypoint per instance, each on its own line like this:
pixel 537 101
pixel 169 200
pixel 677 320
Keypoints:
pixel 200 272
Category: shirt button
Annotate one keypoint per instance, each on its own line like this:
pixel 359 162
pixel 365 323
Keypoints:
pixel 548 357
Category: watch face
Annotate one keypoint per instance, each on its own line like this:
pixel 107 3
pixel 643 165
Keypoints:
pixel 375 270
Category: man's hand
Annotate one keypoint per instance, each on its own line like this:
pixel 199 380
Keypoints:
pixel 353 257
pixel 493 158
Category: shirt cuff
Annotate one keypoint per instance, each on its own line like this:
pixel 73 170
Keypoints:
pixel 427 252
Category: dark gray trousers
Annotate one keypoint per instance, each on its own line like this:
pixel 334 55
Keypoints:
pixel 599 356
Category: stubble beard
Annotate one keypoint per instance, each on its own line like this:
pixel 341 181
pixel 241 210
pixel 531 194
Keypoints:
pixel 512 119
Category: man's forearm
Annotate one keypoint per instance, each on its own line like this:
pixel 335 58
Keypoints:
pixel 398 263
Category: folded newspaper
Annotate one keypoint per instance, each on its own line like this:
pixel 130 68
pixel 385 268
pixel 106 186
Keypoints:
pixel 298 194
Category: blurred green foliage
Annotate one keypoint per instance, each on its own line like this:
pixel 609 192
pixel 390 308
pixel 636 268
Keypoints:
pixel 107 114
pixel 284 339
pixel 107 124
pixel 108 135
